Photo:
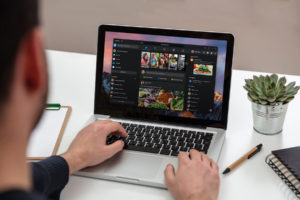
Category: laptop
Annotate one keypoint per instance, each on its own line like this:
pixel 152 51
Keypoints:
pixel 169 89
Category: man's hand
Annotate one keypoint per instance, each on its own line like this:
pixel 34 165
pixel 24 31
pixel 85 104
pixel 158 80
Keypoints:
pixel 196 178
pixel 89 147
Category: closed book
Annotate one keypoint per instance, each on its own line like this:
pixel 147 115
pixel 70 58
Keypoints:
pixel 286 163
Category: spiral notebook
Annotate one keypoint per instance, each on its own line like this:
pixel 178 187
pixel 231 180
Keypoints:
pixel 286 164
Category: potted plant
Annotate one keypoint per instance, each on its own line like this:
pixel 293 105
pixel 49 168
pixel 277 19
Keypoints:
pixel 270 97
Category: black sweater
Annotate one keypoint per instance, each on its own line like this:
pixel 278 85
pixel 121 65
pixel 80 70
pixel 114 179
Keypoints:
pixel 49 178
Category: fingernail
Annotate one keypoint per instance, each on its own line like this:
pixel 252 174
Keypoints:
pixel 123 143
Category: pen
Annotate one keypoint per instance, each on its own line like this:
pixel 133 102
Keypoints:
pixel 248 155
pixel 53 106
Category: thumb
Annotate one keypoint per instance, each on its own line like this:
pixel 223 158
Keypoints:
pixel 169 175
pixel 114 148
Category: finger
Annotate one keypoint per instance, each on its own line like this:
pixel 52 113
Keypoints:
pixel 214 165
pixel 195 155
pixel 105 121
pixel 210 162
pixel 98 123
pixel 117 133
pixel 182 159
pixel 123 133
pixel 114 148
pixel 114 127
pixel 169 175
pixel 205 159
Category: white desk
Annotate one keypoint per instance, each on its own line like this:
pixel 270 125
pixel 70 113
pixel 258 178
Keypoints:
pixel 72 79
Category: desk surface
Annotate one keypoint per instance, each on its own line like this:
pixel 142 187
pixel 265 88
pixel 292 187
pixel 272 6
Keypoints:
pixel 72 79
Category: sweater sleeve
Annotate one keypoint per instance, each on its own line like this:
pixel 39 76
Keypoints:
pixel 20 195
pixel 50 176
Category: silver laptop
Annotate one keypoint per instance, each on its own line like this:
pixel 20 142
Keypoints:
pixel 169 89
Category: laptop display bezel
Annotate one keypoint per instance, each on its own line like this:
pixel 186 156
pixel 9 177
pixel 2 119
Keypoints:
pixel 102 106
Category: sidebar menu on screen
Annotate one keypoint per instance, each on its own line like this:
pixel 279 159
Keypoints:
pixel 124 83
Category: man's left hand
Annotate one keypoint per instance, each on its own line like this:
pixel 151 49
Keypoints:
pixel 89 147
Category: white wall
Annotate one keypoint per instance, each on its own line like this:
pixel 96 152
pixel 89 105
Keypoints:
pixel 267 32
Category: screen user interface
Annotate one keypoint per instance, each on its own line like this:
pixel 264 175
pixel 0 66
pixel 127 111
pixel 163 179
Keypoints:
pixel 174 76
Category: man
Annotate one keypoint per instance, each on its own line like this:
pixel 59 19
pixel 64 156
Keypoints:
pixel 23 92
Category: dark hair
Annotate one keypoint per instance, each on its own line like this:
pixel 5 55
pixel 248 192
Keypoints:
pixel 144 55
pixel 17 19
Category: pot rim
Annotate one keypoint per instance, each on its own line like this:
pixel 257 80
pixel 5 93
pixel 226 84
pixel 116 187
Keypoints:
pixel 277 103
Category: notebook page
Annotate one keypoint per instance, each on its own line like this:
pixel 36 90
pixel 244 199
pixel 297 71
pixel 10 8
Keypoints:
pixel 45 135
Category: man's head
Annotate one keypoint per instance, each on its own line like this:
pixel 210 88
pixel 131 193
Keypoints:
pixel 23 74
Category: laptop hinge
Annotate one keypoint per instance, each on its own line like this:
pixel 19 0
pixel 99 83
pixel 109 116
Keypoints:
pixel 159 122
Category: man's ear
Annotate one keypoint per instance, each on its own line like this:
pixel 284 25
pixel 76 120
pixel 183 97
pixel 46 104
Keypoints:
pixel 33 61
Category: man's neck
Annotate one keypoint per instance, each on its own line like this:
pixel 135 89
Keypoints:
pixel 14 170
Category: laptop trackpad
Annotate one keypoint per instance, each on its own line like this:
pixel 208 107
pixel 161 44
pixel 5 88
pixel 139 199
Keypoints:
pixel 132 165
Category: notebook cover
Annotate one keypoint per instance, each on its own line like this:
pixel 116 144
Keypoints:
pixel 291 159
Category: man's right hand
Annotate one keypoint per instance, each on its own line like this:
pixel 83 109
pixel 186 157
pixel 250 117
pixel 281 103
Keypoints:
pixel 197 178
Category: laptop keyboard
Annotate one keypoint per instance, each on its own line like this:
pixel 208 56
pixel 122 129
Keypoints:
pixel 160 140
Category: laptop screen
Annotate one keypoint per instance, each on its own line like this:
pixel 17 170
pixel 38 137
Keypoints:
pixel 162 75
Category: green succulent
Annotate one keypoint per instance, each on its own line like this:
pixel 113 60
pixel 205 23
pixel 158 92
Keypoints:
pixel 270 90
